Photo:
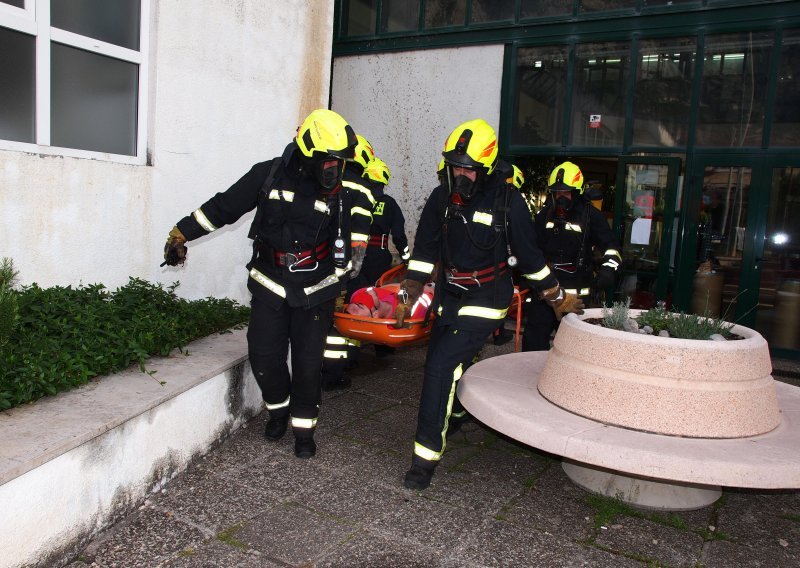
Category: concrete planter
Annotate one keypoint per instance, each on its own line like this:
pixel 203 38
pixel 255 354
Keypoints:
pixel 678 387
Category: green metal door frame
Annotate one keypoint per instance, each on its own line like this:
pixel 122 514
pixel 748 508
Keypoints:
pixel 670 203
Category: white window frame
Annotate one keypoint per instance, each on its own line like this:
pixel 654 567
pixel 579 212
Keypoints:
pixel 34 20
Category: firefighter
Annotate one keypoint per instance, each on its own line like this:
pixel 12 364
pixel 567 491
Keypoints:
pixel 568 229
pixel 340 351
pixel 514 181
pixel 301 257
pixel 476 230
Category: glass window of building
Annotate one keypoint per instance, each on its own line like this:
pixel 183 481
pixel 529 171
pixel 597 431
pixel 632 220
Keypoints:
pixel 663 91
pixel 492 10
pixel 114 22
pixel 18 86
pixel 443 13
pixel 786 119
pixel 399 15
pixel 358 17
pixel 17 3
pixel 74 84
pixel 733 92
pixel 545 8
pixel 599 96
pixel 541 91
pixel 668 3
pixel 606 5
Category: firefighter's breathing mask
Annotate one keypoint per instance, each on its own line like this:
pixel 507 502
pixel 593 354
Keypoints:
pixel 562 201
pixel 328 170
pixel 464 183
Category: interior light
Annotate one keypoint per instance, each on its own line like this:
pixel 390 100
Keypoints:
pixel 537 64
pixel 780 238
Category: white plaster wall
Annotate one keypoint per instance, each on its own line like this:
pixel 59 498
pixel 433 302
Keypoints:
pixel 406 104
pixel 230 80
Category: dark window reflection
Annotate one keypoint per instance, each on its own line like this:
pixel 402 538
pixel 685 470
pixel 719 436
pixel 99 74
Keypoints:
pixel 359 17
pixel 786 120
pixel 442 13
pixel 93 101
pixel 545 8
pixel 399 15
pixel 492 10
pixel 17 3
pixel 598 105
pixel 734 88
pixel 17 86
pixel 112 21
pixel 541 91
pixel 663 93
pixel 604 5
pixel 668 3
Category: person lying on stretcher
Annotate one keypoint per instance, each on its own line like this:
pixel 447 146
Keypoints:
pixel 381 301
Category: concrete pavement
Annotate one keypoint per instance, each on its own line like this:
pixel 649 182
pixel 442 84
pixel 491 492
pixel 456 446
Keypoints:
pixel 493 502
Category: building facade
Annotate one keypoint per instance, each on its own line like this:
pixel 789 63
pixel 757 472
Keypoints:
pixel 683 115
pixel 119 117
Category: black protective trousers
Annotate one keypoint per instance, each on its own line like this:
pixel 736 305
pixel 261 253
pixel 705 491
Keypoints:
pixel 450 352
pixel 540 321
pixel 269 336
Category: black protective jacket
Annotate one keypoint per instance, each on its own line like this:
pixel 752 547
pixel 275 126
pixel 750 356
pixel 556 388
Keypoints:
pixel 293 221
pixel 387 219
pixel 568 243
pixel 475 238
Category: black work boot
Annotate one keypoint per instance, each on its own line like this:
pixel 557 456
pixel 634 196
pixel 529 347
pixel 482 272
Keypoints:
pixel 456 422
pixel 419 476
pixel 276 427
pixel 304 445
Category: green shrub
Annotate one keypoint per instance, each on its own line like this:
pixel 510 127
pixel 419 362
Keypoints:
pixel 657 318
pixel 8 300
pixel 692 326
pixel 65 336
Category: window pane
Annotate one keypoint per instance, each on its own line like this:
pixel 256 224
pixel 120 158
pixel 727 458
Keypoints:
pixel 648 3
pixel 112 21
pixel 17 86
pixel 786 121
pixel 734 87
pixel 545 8
pixel 17 3
pixel 93 101
pixel 603 5
pixel 663 92
pixel 399 15
pixel 539 101
pixel 441 13
pixel 359 18
pixel 492 10
pixel 598 105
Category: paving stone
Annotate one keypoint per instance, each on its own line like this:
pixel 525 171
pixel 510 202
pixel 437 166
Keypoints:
pixel 498 543
pixel 726 554
pixel 215 554
pixel 639 538
pixel 145 538
pixel 293 534
pixel 368 550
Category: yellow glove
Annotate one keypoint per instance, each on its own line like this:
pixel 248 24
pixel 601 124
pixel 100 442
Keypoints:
pixel 175 249
pixel 562 303
pixel 410 291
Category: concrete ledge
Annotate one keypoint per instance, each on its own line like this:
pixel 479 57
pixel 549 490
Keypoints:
pixel 72 464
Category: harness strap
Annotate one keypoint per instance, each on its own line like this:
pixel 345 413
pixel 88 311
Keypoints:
pixel 302 258
pixel 381 241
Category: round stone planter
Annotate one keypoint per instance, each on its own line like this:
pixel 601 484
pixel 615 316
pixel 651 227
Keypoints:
pixel 678 387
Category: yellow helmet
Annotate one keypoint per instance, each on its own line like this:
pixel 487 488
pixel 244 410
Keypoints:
pixel 440 167
pixel 516 179
pixel 326 132
pixel 377 170
pixel 566 177
pixel 363 151
pixel 472 144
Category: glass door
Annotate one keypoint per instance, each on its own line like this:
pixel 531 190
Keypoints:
pixel 742 236
pixel 645 222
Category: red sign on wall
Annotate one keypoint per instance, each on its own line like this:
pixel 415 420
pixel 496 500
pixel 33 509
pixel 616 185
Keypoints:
pixel 594 121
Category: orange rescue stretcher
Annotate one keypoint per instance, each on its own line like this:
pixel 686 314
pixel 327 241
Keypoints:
pixel 383 330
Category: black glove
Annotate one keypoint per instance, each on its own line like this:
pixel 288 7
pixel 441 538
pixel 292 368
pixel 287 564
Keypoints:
pixel 605 279
pixel 175 249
